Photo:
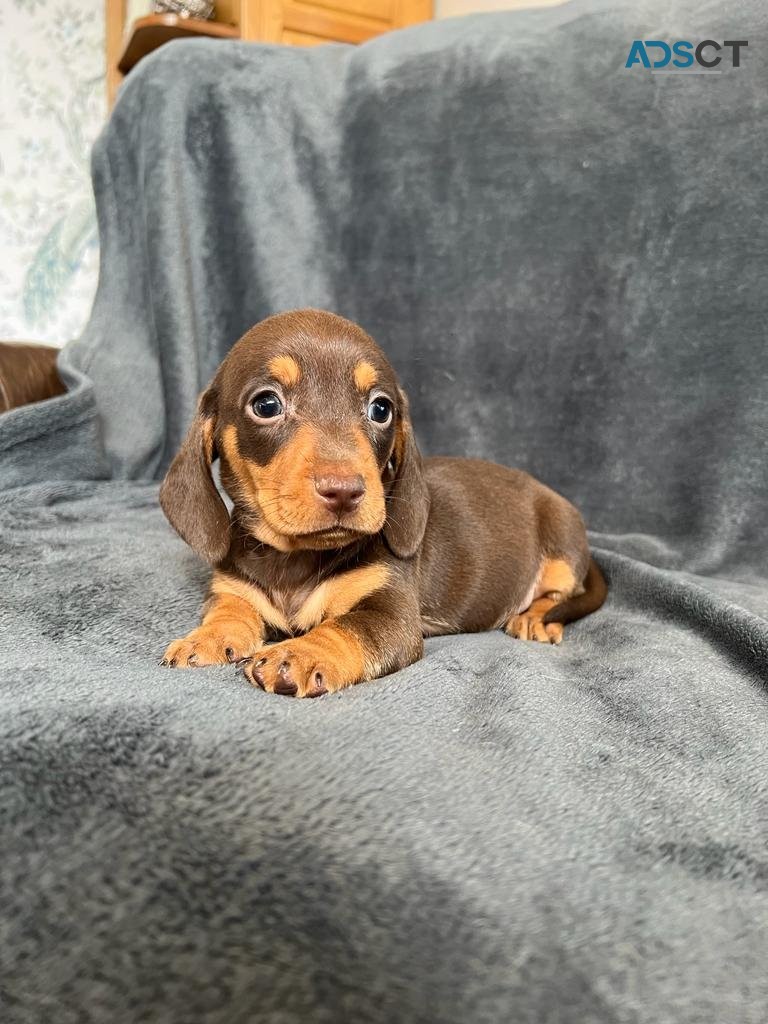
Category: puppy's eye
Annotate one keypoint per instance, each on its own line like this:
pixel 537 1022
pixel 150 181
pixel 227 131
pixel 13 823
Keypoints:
pixel 380 411
pixel 267 405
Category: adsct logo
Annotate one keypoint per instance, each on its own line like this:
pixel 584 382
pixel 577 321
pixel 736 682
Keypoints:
pixel 684 58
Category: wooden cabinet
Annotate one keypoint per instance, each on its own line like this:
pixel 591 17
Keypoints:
pixel 311 22
pixel 290 22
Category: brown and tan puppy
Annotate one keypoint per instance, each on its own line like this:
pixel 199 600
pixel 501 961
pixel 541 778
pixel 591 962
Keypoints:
pixel 343 545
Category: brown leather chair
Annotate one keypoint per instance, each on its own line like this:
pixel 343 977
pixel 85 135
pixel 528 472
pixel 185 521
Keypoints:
pixel 27 374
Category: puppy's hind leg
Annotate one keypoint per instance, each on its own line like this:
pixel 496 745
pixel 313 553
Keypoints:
pixel 530 625
pixel 555 583
pixel 558 598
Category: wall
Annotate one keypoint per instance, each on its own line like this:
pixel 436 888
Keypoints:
pixel 452 8
pixel 52 105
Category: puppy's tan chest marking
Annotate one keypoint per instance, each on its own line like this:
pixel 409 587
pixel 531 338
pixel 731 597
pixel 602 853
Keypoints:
pixel 299 611
pixel 339 594
pixel 223 583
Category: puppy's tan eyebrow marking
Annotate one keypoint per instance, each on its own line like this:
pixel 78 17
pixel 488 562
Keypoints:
pixel 285 369
pixel 365 376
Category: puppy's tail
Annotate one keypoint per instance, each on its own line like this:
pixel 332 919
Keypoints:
pixel 595 590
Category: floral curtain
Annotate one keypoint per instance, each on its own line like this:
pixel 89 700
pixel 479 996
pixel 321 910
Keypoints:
pixel 52 105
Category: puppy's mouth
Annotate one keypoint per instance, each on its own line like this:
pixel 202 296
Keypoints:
pixel 336 536
pixel 328 530
pixel 300 524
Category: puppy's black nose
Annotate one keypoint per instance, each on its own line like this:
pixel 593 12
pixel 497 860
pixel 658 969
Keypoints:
pixel 340 494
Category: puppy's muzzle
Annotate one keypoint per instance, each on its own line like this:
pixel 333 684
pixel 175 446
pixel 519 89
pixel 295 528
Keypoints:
pixel 340 494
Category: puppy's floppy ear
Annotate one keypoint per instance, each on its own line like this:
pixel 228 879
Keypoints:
pixel 188 494
pixel 408 496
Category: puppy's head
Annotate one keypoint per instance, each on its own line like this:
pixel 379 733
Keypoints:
pixel 315 443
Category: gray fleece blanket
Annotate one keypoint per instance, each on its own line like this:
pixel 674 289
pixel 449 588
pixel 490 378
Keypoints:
pixel 566 261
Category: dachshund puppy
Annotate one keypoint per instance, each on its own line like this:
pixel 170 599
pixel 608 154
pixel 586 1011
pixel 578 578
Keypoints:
pixel 342 545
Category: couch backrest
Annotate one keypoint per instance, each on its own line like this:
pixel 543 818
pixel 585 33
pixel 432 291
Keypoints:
pixel 565 258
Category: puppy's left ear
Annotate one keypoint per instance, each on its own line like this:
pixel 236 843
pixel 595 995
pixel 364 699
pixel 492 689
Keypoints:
pixel 408 497
pixel 188 494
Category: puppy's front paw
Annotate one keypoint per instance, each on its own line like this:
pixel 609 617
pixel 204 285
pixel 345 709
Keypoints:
pixel 326 659
pixel 295 668
pixel 217 644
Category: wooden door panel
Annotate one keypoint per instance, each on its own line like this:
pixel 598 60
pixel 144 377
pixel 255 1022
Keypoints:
pixel 291 38
pixel 330 25
pixel 383 10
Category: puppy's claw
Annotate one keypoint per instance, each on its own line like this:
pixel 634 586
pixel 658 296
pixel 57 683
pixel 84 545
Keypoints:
pixel 318 688
pixel 255 678
pixel 554 631
pixel 286 688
